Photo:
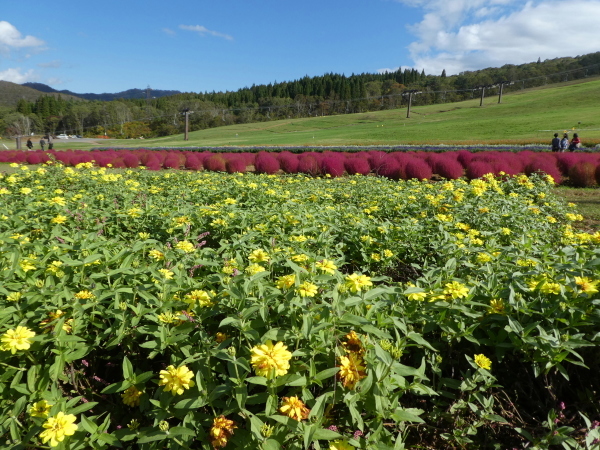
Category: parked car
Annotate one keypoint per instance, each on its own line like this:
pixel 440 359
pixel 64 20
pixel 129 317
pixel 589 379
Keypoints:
pixel 62 136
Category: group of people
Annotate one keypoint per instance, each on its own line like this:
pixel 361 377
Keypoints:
pixel 560 145
pixel 42 142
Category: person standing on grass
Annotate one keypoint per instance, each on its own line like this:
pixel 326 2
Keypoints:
pixel 564 143
pixel 50 142
pixel 575 143
pixel 29 144
pixel 556 143
pixel 42 143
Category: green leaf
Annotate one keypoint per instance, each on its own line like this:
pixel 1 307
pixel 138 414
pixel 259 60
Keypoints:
pixel 181 431
pixel 217 392
pixel 271 444
pixel 116 387
pixel 82 408
pixel 191 403
pixel 325 434
pixel 327 373
pixel 257 380
pixel 77 354
pixel 32 377
pixel 407 415
pixel 88 425
pixel 416 337
pixel 229 321
pixel 128 372
pixel 152 436
pixel 319 406
pixel 309 431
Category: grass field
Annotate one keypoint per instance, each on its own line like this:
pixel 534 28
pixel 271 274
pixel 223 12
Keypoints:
pixel 523 117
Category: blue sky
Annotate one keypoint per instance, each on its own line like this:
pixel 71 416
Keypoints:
pixel 198 45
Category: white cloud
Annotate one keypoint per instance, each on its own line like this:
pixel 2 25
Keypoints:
pixel 203 30
pixel 388 70
pixel 51 64
pixel 15 76
pixel 54 81
pixel 459 35
pixel 11 38
pixel 168 31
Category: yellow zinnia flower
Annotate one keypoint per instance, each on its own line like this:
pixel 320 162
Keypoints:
pixel 58 201
pixel 352 369
pixel 456 290
pixel 85 295
pixel 177 379
pixel 286 281
pixel 356 282
pixel 253 269
pixel 340 444
pixel 258 256
pixel 326 266
pixel 294 408
pixel 131 396
pixel 156 254
pixel 57 428
pixel 221 431
pixel 198 296
pixel 185 246
pixel 270 360
pixel 496 306
pixel 307 289
pixel 483 361
pixel 16 339
pixel 40 409
pixel 353 343
pixel 586 285
pixel 166 273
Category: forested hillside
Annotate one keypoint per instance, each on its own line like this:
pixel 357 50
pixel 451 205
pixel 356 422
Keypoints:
pixel 308 96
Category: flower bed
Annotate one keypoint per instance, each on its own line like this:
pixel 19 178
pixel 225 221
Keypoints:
pixel 396 165
pixel 185 309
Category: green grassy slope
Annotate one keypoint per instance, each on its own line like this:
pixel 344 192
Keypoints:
pixel 529 116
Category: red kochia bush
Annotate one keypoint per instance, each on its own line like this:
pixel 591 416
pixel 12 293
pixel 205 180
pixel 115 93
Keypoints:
pixel 309 163
pixel 153 164
pixel 390 168
pixel 172 161
pixel 376 160
pixel 215 163
pixel 419 169
pixel 464 157
pixel 545 165
pixel 357 166
pixel 64 157
pixel 131 160
pixel 583 174
pixel 333 165
pixel 288 162
pixel 477 169
pixel 566 161
pixel 266 163
pixel 448 168
pixel 192 162
pixel 236 165
pixel 36 158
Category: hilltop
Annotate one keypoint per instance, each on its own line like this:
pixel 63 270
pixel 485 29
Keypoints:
pixel 11 93
pixel 128 94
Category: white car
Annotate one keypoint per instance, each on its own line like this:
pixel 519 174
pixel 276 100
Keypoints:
pixel 62 136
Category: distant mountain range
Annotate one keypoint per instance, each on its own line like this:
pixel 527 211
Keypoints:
pixel 128 94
